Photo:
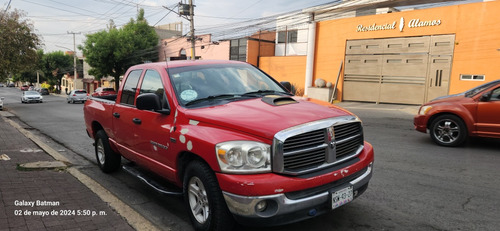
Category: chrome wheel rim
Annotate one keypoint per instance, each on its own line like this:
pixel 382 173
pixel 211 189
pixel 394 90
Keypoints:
pixel 447 131
pixel 198 201
pixel 100 152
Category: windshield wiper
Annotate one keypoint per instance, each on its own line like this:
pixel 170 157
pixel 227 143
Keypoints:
pixel 209 98
pixel 266 92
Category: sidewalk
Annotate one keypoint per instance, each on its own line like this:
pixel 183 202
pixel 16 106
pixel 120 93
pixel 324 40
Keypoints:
pixel 46 197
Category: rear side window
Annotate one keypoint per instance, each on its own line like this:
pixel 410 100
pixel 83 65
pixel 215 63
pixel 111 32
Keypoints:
pixel 152 84
pixel 128 92
pixel 108 89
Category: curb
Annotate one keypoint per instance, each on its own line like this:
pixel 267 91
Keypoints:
pixel 133 218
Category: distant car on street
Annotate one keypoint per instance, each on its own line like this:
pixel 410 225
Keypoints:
pixel 25 88
pixel 103 91
pixel 1 85
pixel 11 85
pixel 31 96
pixel 451 119
pixel 78 95
pixel 1 103
pixel 44 91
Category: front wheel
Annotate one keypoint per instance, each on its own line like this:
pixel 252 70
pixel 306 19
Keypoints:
pixel 204 201
pixel 448 130
pixel 108 160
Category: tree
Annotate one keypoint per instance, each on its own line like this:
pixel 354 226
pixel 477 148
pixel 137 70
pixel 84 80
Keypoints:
pixel 18 44
pixel 112 52
pixel 54 65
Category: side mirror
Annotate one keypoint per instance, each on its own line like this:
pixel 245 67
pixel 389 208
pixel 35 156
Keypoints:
pixel 485 97
pixel 287 85
pixel 150 101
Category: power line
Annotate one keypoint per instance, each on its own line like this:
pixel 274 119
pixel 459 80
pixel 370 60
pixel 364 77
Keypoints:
pixel 6 8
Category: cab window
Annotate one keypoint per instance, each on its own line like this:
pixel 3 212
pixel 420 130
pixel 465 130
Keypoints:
pixel 129 89
pixel 495 95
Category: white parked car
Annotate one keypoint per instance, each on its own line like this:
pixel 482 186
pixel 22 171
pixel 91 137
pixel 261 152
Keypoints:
pixel 31 96
pixel 1 103
pixel 78 95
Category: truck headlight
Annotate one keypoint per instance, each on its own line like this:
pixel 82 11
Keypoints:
pixel 424 109
pixel 244 157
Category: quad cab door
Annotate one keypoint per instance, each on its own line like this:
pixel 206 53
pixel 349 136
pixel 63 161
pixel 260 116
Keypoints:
pixel 145 135
pixel 488 119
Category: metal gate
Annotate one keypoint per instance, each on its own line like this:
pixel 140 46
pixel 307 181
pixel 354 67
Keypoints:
pixel 408 70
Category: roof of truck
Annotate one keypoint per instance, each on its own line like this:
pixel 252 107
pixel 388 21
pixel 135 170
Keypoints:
pixel 182 63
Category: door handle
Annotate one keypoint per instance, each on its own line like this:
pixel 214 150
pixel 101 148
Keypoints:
pixel 116 114
pixel 136 121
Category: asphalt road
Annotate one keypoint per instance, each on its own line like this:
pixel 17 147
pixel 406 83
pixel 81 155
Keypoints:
pixel 416 185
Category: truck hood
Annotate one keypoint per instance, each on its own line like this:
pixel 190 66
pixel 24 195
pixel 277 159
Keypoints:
pixel 254 116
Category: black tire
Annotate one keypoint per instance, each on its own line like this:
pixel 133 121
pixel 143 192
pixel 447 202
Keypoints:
pixel 200 186
pixel 448 130
pixel 107 160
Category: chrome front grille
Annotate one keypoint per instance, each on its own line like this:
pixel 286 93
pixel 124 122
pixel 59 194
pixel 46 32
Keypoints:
pixel 308 139
pixel 311 147
pixel 348 138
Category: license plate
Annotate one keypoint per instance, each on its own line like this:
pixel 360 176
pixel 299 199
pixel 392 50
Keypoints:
pixel 342 197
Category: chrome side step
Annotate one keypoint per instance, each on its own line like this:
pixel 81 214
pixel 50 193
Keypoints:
pixel 157 186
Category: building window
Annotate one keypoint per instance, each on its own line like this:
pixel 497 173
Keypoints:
pixel 282 37
pixel 472 77
pixel 239 49
pixel 287 36
pixel 292 36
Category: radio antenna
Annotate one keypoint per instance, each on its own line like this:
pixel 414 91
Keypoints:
pixel 165 53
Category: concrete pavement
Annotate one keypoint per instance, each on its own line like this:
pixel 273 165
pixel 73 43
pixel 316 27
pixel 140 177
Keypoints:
pixel 39 191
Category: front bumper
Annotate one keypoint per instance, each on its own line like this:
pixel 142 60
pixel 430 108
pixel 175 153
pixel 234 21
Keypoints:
pixel 32 100
pixel 284 208
pixel 420 123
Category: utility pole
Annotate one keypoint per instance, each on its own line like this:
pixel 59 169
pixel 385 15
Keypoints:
pixel 74 55
pixel 191 20
pixel 187 12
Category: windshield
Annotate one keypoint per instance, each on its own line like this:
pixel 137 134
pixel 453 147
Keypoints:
pixel 216 82
pixel 476 90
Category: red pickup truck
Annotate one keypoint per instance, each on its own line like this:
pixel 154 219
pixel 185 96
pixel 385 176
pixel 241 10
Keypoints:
pixel 237 145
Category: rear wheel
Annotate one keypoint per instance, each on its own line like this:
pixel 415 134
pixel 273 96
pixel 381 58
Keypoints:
pixel 108 160
pixel 448 130
pixel 204 201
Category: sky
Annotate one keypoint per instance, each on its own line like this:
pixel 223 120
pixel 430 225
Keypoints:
pixel 56 20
